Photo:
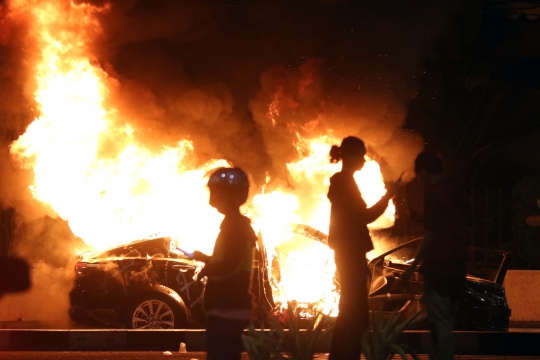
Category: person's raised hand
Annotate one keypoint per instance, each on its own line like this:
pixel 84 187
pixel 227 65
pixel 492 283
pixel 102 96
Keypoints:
pixel 188 254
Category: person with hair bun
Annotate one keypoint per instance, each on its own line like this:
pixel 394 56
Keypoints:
pixel 350 239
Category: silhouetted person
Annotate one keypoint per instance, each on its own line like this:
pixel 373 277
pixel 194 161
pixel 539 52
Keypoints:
pixel 227 299
pixel 350 239
pixel 443 252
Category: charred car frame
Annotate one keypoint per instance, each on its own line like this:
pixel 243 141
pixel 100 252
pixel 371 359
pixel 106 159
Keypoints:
pixel 144 285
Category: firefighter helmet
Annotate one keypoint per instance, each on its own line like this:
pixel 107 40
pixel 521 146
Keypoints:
pixel 232 183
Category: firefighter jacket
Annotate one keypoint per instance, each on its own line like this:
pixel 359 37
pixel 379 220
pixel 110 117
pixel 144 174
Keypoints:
pixel 229 268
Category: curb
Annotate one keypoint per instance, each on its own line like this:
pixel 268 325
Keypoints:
pixel 480 342
pixel 515 343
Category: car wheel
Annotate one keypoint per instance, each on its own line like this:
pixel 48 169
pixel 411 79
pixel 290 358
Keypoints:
pixel 154 311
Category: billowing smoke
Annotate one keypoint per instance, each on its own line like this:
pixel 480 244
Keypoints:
pixel 17 110
pixel 43 242
pixel 209 71
pixel 303 105
pixel 48 246
pixel 241 79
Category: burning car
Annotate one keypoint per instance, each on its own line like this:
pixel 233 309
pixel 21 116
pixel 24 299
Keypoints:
pixel 142 285
pixel 483 305
pixel 145 285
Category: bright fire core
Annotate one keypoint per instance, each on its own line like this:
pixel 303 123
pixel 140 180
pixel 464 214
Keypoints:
pixel 136 193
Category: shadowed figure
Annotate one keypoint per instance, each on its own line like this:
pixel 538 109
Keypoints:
pixel 443 252
pixel 227 297
pixel 350 239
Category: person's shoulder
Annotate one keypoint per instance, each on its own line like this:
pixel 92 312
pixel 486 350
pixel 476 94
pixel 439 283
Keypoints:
pixel 239 227
pixel 236 221
pixel 245 220
pixel 338 177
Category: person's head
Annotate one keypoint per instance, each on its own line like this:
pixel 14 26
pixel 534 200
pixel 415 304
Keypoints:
pixel 428 167
pixel 351 152
pixel 229 188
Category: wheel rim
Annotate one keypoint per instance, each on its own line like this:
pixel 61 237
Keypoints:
pixel 153 314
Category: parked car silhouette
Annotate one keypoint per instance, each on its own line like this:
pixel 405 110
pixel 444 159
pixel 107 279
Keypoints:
pixel 483 304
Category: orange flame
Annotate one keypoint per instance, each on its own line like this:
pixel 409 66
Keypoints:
pixel 307 268
pixel 106 201
pixel 135 193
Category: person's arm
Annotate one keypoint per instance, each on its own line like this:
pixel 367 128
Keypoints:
pixel 346 194
pixel 229 264
pixel 199 256
pixel 371 214
pixel 231 259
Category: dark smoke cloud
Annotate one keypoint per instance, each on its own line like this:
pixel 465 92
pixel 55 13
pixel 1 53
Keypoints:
pixel 49 247
pixel 306 106
pixel 17 110
pixel 208 70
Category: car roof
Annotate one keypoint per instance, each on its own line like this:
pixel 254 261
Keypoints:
pixel 137 248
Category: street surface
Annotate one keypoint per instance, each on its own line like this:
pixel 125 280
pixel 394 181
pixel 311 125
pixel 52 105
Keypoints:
pixel 154 355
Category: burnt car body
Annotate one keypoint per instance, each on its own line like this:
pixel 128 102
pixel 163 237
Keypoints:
pixel 483 304
pixel 142 285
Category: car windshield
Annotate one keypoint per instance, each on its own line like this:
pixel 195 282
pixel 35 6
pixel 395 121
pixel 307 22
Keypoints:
pixel 404 255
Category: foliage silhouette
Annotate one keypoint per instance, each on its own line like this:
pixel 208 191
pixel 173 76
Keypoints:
pixel 280 343
pixel 382 342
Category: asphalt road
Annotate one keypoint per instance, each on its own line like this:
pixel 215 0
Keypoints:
pixel 155 355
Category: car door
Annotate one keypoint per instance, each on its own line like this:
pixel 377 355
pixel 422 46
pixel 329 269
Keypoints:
pixel 180 276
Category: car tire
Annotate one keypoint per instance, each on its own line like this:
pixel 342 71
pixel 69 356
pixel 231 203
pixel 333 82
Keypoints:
pixel 154 311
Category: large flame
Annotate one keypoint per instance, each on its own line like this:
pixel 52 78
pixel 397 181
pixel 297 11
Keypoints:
pixel 133 193
pixel 306 267
pixel 107 200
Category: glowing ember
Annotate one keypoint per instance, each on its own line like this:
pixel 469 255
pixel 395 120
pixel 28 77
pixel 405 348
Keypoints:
pixel 117 196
